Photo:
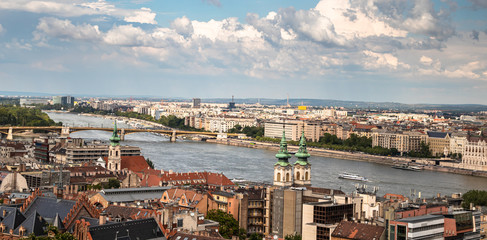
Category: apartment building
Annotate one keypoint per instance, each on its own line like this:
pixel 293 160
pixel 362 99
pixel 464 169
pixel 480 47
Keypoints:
pixel 439 143
pixel 403 142
pixel 420 227
pixel 321 218
pixel 312 130
pixel 93 152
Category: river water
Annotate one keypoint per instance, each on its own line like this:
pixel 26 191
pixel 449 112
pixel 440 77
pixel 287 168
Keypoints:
pixel 257 164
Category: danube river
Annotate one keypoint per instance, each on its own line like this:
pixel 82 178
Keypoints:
pixel 257 164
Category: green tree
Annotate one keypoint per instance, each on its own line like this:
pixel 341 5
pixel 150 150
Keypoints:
pixel 113 183
pixel 51 230
pixel 236 129
pixel 477 197
pixel 150 163
pixel 293 237
pixel 228 225
pixel 255 236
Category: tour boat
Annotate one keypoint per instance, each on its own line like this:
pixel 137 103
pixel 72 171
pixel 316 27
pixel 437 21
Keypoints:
pixel 351 176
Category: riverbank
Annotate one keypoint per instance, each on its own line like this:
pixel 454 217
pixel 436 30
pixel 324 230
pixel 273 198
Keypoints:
pixel 437 165
pixel 427 164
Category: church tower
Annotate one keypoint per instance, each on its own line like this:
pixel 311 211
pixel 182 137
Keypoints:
pixel 302 168
pixel 114 163
pixel 283 170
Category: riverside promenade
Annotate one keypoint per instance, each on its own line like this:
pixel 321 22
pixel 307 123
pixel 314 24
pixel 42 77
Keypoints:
pixel 431 164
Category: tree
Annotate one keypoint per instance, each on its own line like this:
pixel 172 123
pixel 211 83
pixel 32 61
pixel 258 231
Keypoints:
pixel 255 236
pixel 293 237
pixel 150 163
pixel 113 183
pixel 477 197
pixel 52 231
pixel 228 225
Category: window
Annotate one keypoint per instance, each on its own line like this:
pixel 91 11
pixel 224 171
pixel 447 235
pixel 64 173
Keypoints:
pixel 180 222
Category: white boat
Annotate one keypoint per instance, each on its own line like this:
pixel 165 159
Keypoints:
pixel 351 176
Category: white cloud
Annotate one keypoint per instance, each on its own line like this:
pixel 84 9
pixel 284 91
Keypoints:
pixel 352 21
pixel 423 19
pixel 426 60
pixel 1 28
pixel 16 44
pixel 183 26
pixel 67 8
pixel 378 60
pixel 126 35
pixel 65 30
pixel 144 15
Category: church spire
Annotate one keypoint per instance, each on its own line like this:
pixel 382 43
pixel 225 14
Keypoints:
pixel 115 139
pixel 302 153
pixel 283 155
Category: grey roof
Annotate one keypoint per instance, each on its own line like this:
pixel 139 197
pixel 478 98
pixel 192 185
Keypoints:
pixel 225 194
pixel 138 229
pixel 93 221
pixel 7 211
pixel 19 195
pixel 58 222
pixel 438 134
pixel 422 218
pixel 33 224
pixel 49 207
pixel 133 194
pixel 13 219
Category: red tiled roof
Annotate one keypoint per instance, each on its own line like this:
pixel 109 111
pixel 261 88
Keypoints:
pixel 358 231
pixel 132 163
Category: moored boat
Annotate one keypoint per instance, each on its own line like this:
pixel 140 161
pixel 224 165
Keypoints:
pixel 405 166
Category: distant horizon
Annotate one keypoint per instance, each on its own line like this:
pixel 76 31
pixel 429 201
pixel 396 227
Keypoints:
pixel 148 97
pixel 421 51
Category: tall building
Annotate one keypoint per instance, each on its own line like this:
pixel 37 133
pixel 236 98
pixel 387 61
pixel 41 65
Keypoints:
pixel 283 171
pixel 196 102
pixel 321 218
pixel 302 168
pixel 63 100
pixel 114 154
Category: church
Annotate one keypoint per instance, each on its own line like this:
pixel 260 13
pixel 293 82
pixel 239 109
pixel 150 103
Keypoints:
pixel 292 175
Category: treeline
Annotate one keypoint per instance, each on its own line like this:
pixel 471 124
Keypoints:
pixel 18 116
pixel 352 144
pixel 169 121
pixel 475 197
pixel 252 132
pixel 9 101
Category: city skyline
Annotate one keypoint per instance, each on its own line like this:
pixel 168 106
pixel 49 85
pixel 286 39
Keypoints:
pixel 398 51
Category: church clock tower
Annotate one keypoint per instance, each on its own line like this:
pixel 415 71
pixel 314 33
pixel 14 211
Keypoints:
pixel 302 168
pixel 283 170
pixel 114 163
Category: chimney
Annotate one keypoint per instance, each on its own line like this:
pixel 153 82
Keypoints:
pixel 103 218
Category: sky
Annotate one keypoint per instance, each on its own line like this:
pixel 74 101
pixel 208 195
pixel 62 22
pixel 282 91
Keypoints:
pixel 408 51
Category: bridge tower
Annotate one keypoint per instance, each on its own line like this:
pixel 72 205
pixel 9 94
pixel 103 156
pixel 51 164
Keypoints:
pixel 114 163
pixel 65 131
pixel 10 135
pixel 173 136
pixel 283 170
pixel 122 134
pixel 302 168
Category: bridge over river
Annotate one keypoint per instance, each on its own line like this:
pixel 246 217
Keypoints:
pixel 64 131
